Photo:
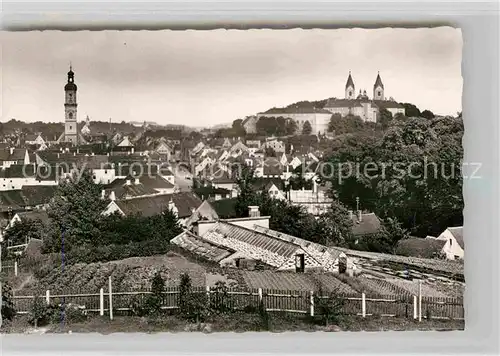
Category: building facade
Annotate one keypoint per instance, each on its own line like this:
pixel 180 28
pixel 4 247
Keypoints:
pixel 361 105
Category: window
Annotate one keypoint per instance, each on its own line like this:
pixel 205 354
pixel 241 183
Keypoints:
pixel 379 93
pixel 451 242
pixel 70 127
pixel 70 115
pixel 350 93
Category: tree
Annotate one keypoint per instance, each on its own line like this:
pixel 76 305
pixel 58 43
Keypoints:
pixel 335 226
pixel 238 129
pixel 307 128
pixel 411 110
pixel 291 127
pixel 427 114
pixel 384 118
pixel 75 211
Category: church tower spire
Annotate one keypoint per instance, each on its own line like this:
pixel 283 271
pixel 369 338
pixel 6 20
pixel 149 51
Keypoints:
pixel 378 88
pixel 70 109
pixel 349 88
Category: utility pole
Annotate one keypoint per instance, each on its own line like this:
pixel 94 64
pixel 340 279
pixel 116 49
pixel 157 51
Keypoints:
pixel 357 203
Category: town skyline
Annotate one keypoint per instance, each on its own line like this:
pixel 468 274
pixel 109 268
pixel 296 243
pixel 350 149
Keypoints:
pixel 215 77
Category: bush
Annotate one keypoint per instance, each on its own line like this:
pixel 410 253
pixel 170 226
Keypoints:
pixel 265 322
pixel 152 303
pixel 192 305
pixel 40 313
pixel 220 302
pixel 328 307
pixel 8 310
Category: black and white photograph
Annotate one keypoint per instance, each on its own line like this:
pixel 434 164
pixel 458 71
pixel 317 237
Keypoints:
pixel 213 181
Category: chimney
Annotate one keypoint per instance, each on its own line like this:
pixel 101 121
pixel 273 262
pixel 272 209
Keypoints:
pixel 253 211
pixel 58 156
pixel 360 216
pixel 77 151
pixel 315 186
pixel 132 150
pixel 112 196
pixel 92 154
pixel 127 182
pixel 74 153
pixel 103 194
pixel 136 181
pixel 350 214
pixel 12 150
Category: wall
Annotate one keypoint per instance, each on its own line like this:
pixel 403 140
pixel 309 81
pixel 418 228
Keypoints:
pixel 251 221
pixel 451 249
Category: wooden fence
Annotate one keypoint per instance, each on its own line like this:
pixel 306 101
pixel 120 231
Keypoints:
pixel 120 302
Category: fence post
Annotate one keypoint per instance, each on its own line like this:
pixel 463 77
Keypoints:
pixel 15 268
pixel 260 295
pixel 419 300
pixel 414 307
pixel 312 303
pixel 363 305
pixel 101 302
pixel 47 296
pixel 208 293
pixel 110 300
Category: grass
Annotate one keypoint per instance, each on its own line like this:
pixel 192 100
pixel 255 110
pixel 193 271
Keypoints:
pixel 236 322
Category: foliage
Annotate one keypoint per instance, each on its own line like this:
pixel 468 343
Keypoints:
pixel 265 320
pixel 345 124
pixel 411 110
pixel 411 173
pixel 25 230
pixel 384 118
pixel 192 305
pixel 152 303
pixel 275 126
pixel 328 306
pixel 75 211
pixel 220 299
pixel 307 128
pixel 40 313
pixel 238 129
pixel 8 309
pixel 335 226
pixel 427 114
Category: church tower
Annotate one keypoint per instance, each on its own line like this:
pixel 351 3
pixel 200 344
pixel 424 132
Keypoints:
pixel 378 89
pixel 349 88
pixel 70 105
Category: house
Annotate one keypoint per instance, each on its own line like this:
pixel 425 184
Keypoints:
pixel 454 246
pixel 222 180
pixel 33 139
pixel 182 204
pixel 273 186
pixel 127 188
pixel 157 183
pixel 364 224
pixel 10 156
pixel 29 216
pixel 315 201
pixel 250 124
pixel 275 144
pixel 241 240
pixel 16 176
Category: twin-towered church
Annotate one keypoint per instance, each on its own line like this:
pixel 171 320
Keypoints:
pixel 361 105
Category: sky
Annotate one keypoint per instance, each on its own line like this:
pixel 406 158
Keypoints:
pixel 204 78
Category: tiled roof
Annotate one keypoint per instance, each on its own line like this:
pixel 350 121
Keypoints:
pixel 295 110
pixel 253 237
pixel 419 247
pixel 272 167
pixel 266 183
pixel 38 194
pixel 204 248
pixel 156 204
pixel 13 199
pixel 17 154
pixel 222 177
pixel 18 171
pixel 155 182
pixel 342 103
pixel 369 224
pixel 457 233
pixel 122 190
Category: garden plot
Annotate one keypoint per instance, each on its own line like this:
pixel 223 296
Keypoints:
pixel 412 287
